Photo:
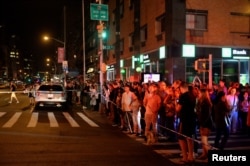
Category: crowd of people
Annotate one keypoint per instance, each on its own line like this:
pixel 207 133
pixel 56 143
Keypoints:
pixel 178 111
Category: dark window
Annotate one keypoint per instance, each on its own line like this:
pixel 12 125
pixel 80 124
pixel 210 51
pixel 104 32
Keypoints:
pixel 50 88
pixel 196 20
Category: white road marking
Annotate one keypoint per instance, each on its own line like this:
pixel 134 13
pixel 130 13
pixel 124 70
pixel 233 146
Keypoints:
pixel 33 120
pixel 86 119
pixel 12 120
pixel 52 120
pixel 72 122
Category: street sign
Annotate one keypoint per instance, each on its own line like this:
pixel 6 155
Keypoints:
pixel 65 66
pixel 99 12
pixel 108 47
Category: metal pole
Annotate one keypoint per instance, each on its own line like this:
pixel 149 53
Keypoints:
pixel 101 61
pixel 64 44
pixel 83 40
pixel 210 72
pixel 64 31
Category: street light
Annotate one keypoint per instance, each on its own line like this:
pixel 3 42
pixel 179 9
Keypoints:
pixel 57 40
pixel 64 51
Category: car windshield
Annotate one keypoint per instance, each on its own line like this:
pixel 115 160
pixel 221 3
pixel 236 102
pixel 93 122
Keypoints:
pixel 51 88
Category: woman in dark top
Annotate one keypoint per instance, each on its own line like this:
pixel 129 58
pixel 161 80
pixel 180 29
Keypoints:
pixel 185 109
pixel 221 109
pixel 203 110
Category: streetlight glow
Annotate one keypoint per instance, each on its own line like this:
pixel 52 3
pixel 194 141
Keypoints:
pixel 57 40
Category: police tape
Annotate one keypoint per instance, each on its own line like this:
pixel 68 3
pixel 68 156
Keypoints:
pixel 106 101
pixel 173 131
pixel 25 91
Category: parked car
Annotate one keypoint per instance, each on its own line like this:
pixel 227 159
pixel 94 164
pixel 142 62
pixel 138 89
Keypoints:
pixel 50 94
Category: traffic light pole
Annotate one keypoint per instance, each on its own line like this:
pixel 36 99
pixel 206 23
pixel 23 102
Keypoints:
pixel 203 69
pixel 210 77
pixel 100 52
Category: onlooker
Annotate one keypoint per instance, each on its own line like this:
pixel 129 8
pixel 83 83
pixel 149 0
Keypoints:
pixel 243 111
pixel 170 113
pixel 222 86
pixel 86 96
pixel 135 108
pixel 31 94
pixel 78 92
pixel 162 92
pixel 233 102
pixel 185 108
pixel 221 110
pixel 127 97
pixel 152 103
pixel 13 92
pixel 204 115
pixel 93 97
pixel 248 122
pixel 114 113
pixel 69 88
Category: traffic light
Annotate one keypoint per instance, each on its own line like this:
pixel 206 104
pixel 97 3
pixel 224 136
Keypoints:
pixel 104 34
pixel 201 65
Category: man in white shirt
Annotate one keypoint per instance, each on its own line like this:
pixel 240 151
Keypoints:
pixel 126 117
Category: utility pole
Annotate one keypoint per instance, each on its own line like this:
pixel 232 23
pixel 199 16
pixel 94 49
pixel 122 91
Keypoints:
pixel 83 42
pixel 100 52
pixel 100 13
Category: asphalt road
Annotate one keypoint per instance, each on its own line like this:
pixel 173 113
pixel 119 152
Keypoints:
pixel 74 136
pixel 51 137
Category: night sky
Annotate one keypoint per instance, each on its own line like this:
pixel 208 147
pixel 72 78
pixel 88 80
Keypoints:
pixel 30 20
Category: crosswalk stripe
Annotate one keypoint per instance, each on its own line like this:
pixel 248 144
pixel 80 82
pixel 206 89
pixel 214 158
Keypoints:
pixel 90 122
pixel 2 114
pixel 52 120
pixel 33 120
pixel 12 120
pixel 72 122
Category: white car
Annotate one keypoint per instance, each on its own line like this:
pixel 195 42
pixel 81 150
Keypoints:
pixel 51 95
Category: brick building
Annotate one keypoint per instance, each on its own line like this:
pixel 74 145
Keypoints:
pixel 168 36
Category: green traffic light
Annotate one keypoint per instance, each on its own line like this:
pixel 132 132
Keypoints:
pixel 104 34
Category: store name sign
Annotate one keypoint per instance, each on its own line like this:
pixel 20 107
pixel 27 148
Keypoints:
pixel 239 52
pixel 146 57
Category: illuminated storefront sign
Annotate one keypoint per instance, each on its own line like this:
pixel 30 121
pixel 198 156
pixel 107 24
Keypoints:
pixel 239 52
pixel 188 50
pixel 226 52
pixel 236 53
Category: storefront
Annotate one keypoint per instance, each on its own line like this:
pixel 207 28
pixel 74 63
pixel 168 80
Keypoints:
pixel 231 64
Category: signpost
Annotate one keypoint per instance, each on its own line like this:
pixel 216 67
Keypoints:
pixel 99 12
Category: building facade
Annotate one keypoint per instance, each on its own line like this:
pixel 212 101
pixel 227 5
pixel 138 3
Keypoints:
pixel 167 37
